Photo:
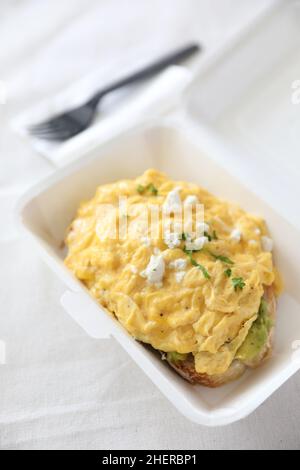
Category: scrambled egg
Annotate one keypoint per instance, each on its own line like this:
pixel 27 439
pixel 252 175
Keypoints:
pixel 204 294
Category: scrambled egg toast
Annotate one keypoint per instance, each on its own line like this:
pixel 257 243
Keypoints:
pixel 205 302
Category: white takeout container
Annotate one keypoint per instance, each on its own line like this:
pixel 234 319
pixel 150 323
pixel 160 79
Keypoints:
pixel 192 143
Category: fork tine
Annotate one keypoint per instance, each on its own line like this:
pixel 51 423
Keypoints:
pixel 51 134
pixel 54 125
pixel 60 127
pixel 51 137
pixel 43 130
pixel 44 126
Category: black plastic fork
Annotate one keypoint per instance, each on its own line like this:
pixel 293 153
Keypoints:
pixel 70 123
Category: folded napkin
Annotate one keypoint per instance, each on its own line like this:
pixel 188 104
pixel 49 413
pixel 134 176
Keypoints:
pixel 150 100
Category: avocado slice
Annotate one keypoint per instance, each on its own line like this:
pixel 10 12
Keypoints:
pixel 176 357
pixel 257 335
pixel 254 342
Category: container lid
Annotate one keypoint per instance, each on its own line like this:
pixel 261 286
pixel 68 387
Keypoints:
pixel 248 94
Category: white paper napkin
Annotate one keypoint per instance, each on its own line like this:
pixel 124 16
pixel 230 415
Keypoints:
pixel 150 100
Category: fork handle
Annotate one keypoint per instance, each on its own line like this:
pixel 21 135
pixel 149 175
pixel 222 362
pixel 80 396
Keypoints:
pixel 148 71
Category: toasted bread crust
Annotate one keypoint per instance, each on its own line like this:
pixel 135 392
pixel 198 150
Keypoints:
pixel 237 368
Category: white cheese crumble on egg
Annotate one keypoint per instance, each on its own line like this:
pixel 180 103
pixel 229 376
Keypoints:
pixel 172 239
pixel 236 235
pixel 196 244
pixel 155 270
pixel 202 227
pixel 178 264
pixel 172 202
pixel 156 251
pixel 257 231
pixel 267 243
pixel 252 242
pixel 190 200
pixel 179 276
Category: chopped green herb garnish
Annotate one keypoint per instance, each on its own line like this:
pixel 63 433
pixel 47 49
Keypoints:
pixel 211 237
pixel 196 264
pixel 152 189
pixel 183 236
pixel 201 267
pixel 140 189
pixel 206 234
pixel 238 283
pixel 222 258
pixel 228 272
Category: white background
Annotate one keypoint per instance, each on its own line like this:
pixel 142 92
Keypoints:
pixel 59 388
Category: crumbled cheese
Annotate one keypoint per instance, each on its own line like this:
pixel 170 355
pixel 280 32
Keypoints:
pixel 179 276
pixel 190 200
pixel 155 270
pixel 196 244
pixel 172 239
pixel 146 241
pixel 267 243
pixel 156 251
pixel 202 227
pixel 252 242
pixel 133 269
pixel 257 231
pixel 236 235
pixel 178 264
pixel 172 202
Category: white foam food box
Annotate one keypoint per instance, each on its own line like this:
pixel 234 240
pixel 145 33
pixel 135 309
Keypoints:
pixel 225 133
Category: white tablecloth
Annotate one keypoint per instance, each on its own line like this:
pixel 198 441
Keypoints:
pixel 59 388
